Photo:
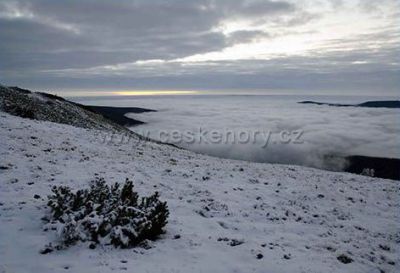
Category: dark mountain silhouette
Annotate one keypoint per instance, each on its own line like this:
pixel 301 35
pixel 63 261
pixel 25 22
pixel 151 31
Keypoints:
pixel 117 114
pixel 371 104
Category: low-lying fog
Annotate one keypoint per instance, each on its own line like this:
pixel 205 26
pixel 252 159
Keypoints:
pixel 268 128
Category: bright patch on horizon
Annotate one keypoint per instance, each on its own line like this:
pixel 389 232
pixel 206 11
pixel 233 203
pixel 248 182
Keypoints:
pixel 153 92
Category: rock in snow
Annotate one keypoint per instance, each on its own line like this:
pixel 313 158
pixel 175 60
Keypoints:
pixel 246 217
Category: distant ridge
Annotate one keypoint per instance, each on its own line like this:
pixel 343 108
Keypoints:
pixel 117 114
pixel 371 104
pixel 381 104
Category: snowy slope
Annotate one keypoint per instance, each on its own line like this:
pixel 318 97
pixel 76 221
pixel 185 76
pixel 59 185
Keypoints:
pixel 43 106
pixel 231 216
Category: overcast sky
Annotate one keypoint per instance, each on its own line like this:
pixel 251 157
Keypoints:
pixel 315 46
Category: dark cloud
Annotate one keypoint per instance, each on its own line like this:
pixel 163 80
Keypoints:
pixel 90 33
pixel 92 44
pixel 107 35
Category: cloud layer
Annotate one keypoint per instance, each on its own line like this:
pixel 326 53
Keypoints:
pixel 327 131
pixel 202 44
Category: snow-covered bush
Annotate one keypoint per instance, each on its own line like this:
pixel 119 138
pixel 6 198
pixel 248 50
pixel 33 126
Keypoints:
pixel 106 214
pixel 368 172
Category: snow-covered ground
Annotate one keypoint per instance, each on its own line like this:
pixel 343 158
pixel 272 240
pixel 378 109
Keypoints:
pixel 225 215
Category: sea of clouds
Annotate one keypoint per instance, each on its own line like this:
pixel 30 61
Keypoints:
pixel 267 128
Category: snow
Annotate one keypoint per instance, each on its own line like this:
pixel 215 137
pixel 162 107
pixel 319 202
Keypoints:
pixel 225 215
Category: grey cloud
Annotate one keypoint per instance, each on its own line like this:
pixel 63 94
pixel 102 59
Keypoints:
pixel 362 70
pixel 376 5
pixel 22 35
pixel 358 71
pixel 245 36
pixel 61 44
pixel 254 8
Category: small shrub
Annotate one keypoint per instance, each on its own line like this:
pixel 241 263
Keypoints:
pixel 105 214
pixel 368 172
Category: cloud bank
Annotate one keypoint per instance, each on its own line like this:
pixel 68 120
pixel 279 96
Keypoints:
pixel 326 131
